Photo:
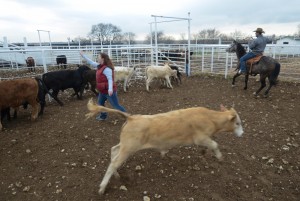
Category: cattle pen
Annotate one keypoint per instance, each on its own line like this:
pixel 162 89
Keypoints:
pixel 204 58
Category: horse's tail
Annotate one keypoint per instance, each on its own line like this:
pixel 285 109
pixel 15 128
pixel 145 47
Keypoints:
pixel 275 73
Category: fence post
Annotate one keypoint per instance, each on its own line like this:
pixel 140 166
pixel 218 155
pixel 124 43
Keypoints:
pixel 226 65
pixel 212 60
pixel 274 51
pixel 44 62
pixel 202 69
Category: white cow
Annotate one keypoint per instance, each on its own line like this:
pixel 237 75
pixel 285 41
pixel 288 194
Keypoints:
pixel 124 74
pixel 161 72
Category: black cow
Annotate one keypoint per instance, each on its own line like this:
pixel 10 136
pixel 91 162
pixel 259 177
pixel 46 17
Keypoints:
pixel 172 55
pixel 89 78
pixel 61 80
pixel 61 61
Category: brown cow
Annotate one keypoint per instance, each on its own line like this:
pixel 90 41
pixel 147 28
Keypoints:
pixel 13 93
pixel 30 64
pixel 166 130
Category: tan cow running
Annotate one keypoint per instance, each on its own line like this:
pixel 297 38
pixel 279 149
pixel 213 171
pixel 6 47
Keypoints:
pixel 165 130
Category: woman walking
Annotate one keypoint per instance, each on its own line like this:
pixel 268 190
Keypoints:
pixel 105 83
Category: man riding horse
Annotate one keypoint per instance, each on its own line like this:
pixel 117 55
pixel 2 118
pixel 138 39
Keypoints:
pixel 257 47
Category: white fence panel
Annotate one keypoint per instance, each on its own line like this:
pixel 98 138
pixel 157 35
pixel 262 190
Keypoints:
pixel 204 59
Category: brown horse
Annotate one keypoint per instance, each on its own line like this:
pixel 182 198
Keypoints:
pixel 266 67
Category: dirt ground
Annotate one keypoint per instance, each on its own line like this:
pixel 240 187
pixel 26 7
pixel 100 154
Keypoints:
pixel 63 157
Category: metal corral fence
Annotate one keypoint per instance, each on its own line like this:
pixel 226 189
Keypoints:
pixel 204 58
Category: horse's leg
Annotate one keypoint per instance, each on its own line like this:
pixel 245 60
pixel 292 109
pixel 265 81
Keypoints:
pixel 233 79
pixel 268 89
pixel 262 84
pixel 246 81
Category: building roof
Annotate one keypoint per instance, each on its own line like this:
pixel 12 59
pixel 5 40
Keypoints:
pixel 289 37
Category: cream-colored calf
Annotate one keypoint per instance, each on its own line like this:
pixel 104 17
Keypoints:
pixel 166 130
pixel 124 74
pixel 161 72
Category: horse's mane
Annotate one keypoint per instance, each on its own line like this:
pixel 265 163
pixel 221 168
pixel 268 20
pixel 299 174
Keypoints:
pixel 240 50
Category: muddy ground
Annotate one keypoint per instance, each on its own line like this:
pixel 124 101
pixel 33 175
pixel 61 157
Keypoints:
pixel 63 157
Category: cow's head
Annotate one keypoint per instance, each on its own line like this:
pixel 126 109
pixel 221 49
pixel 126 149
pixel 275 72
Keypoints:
pixel 174 73
pixel 82 68
pixel 235 123
pixel 30 61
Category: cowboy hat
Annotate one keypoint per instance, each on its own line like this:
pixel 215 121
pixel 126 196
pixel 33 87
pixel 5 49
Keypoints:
pixel 259 30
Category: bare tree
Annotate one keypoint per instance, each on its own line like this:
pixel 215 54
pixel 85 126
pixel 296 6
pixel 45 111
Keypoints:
pixel 213 33
pixel 168 39
pixel 195 36
pixel 105 32
pixel 82 40
pixel 182 36
pixel 160 36
pixel 129 37
pixel 239 35
pixel 297 34
pixel 208 33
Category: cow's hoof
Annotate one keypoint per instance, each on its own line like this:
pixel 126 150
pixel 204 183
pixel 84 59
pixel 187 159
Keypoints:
pixel 101 191
pixel 117 175
pixel 255 95
pixel 221 159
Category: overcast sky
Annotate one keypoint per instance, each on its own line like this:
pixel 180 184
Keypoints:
pixel 73 18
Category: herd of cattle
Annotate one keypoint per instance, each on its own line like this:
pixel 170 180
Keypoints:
pixel 21 92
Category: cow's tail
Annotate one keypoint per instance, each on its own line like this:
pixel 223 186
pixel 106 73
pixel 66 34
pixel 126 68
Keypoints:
pixel 42 86
pixel 95 109
pixel 146 73
pixel 131 73
pixel 275 73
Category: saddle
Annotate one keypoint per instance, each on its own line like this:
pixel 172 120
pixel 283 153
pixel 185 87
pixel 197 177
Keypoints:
pixel 252 61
